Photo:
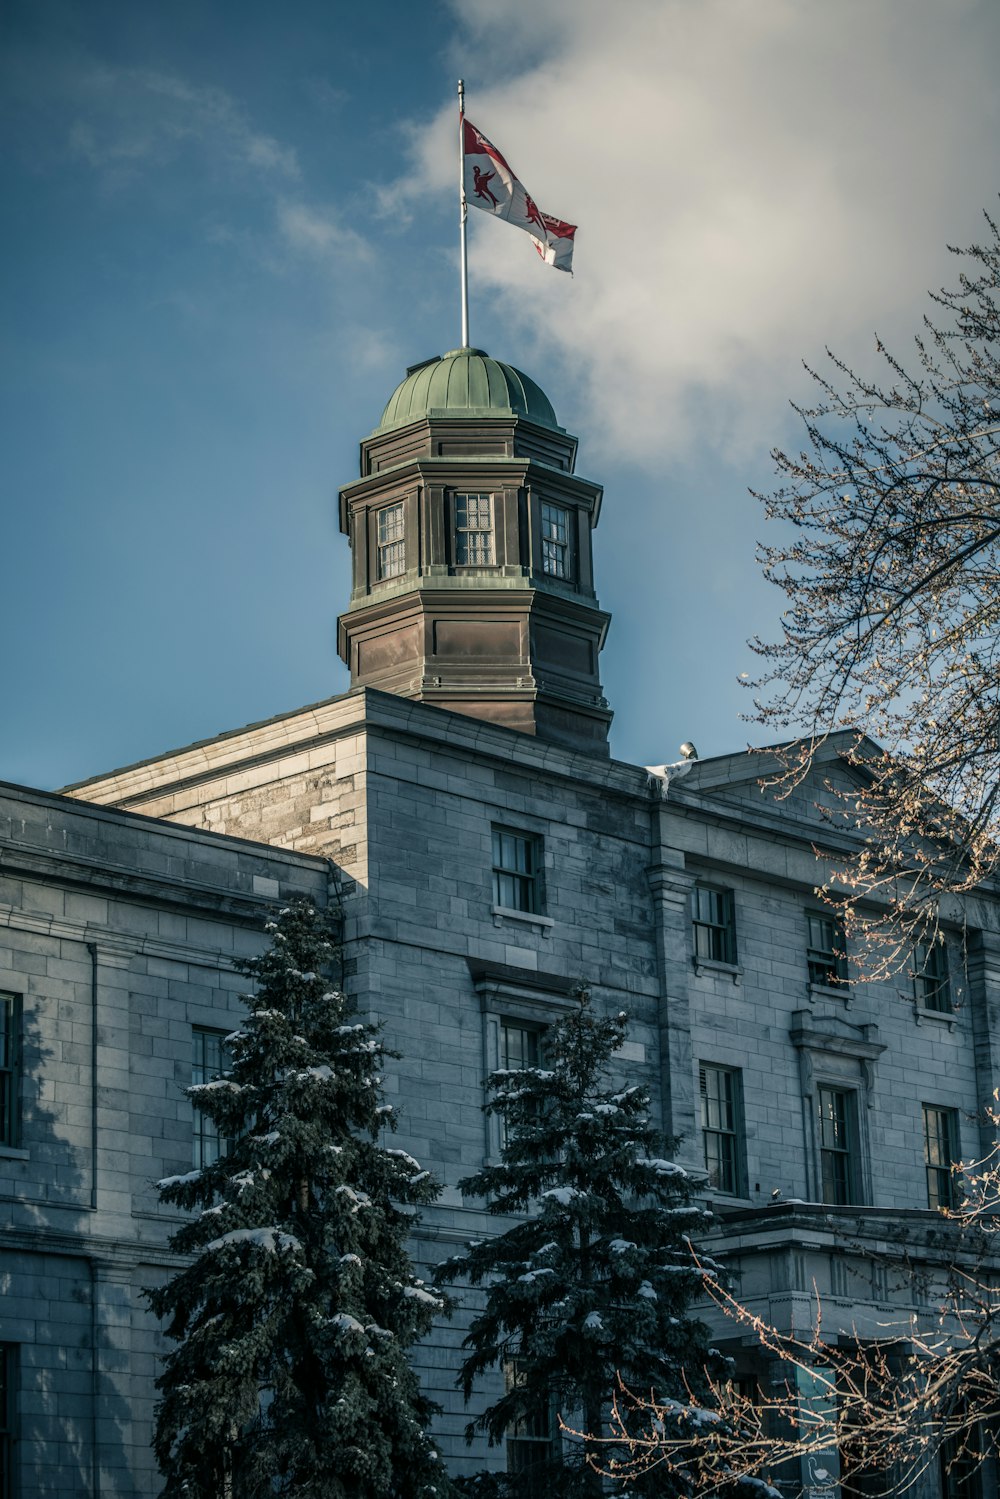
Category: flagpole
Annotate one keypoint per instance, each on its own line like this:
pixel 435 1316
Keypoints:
pixel 463 214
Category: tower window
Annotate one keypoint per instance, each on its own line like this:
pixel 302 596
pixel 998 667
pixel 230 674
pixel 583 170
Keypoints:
pixel 555 541
pixel 391 543
pixel 474 530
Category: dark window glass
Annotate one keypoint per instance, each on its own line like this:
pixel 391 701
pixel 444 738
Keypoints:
pixel 516 865
pixel 208 1061
pixel 391 543
pixel 721 1126
pixel 8 1394
pixel 827 952
pixel 940 1154
pixel 930 977
pixel 520 1047
pixel 555 541
pixel 961 1461
pixel 837 1145
pixel 531 1444
pixel 474 530
pixel 714 924
pixel 10 1068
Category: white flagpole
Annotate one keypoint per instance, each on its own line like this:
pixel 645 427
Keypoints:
pixel 463 214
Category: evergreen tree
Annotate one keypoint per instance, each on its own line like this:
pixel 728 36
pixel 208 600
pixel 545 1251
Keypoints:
pixel 595 1280
pixel 293 1319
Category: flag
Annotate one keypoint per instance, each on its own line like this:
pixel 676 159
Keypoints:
pixel 491 185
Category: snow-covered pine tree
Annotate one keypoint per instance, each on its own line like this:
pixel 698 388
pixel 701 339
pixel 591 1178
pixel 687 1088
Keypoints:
pixel 294 1317
pixel 595 1280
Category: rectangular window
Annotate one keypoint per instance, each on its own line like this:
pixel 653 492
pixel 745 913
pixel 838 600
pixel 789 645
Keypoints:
pixel 531 1446
pixel 714 922
pixel 391 545
pixel 10 1068
pixel 838 1153
pixel 208 1061
pixel 930 977
pixel 520 1047
pixel 961 1463
pixel 8 1416
pixel 474 530
pixel 517 862
pixel 940 1155
pixel 555 541
pixel 721 1126
pixel 827 951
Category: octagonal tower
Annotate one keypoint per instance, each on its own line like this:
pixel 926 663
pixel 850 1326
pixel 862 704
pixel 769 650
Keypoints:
pixel 470 534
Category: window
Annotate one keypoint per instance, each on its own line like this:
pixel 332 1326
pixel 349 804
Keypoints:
pixel 520 1047
pixel 531 1447
pixel 208 1061
pixel 714 920
pixel 721 1126
pixel 838 1152
pixel 391 543
pixel 517 860
pixel 555 541
pixel 8 1418
pixel 827 951
pixel 10 1068
pixel 940 1154
pixel 474 530
pixel 930 977
pixel 961 1461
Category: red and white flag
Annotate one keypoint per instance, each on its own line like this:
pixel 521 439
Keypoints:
pixel 491 185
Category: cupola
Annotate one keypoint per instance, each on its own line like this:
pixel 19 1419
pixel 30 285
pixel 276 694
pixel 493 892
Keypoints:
pixel 470 534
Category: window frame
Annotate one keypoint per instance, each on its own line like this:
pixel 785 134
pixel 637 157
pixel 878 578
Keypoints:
pixel 931 978
pixel 525 884
pixel 826 962
pixel 465 529
pixel 846 1155
pixel 719 929
pixel 390 546
pixel 517 1440
pixel 732 1136
pixel 526 1029
pixel 11 1047
pixel 557 548
pixel 204 1130
pixel 942 1182
pixel 9 1369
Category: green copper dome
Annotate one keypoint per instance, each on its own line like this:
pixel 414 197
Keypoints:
pixel 466 382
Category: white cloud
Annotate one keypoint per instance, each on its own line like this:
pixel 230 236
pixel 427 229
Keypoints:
pixel 751 181
pixel 317 232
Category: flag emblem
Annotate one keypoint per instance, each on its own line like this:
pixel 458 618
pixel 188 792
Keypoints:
pixel 491 185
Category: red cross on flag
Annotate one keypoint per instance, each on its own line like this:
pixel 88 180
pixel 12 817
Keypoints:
pixel 491 185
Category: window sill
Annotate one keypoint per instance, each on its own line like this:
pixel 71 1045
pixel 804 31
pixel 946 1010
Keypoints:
pixel 12 1153
pixel 936 1017
pixel 714 966
pixel 841 992
pixel 541 924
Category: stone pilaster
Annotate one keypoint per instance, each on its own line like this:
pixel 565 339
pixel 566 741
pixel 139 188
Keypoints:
pixel 984 1005
pixel 670 885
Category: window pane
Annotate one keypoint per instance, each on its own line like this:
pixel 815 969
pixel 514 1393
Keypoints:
pixel 10 1046
pixel 940 1154
pixel 474 530
pixel 720 1126
pixel 826 954
pixel 555 541
pixel 391 543
pixel 208 1061
pixel 714 924
pixel 930 976
pixel 516 861
pixel 837 1150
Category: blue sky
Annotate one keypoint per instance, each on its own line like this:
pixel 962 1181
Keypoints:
pixel 229 227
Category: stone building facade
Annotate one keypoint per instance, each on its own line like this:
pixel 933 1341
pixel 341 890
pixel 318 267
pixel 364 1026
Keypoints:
pixel 459 806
